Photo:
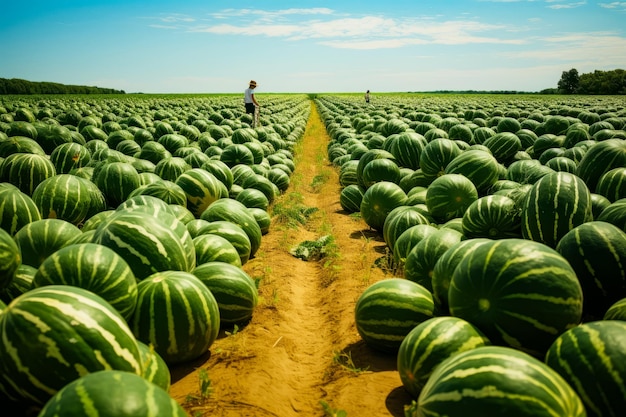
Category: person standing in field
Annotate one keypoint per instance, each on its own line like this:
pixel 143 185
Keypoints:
pixel 250 101
pixel 367 96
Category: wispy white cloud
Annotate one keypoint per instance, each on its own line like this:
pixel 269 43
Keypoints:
pixel 617 5
pixel 598 48
pixel 560 4
pixel 348 32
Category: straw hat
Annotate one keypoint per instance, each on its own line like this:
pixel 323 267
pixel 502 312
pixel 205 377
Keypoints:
pixel 252 83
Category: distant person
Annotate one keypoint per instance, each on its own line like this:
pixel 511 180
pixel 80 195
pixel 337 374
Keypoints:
pixel 367 96
pixel 250 100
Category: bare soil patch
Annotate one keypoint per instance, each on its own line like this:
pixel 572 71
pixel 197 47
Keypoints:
pixel 301 346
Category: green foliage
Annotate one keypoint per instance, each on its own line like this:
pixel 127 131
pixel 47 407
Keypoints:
pixel 205 389
pixel 19 86
pixel 331 412
pixel 312 249
pixel 569 81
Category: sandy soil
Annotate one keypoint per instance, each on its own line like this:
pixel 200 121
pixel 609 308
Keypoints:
pixel 301 346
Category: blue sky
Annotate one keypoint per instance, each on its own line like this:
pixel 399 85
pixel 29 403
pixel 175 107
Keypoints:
pixel 305 46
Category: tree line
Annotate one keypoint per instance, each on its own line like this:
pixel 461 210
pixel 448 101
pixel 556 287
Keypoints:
pixel 598 82
pixel 19 86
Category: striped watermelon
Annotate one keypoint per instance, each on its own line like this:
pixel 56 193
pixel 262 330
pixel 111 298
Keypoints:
pixel 95 268
pixel 171 168
pixel 477 165
pixel 555 204
pixel 421 260
pixel 599 159
pixel 65 197
pixel 10 259
pixel 389 309
pixel 231 232
pixel 612 184
pixel 235 292
pixel 617 311
pixel 520 293
pixel 497 381
pixel 41 238
pixel 449 196
pixel 253 198
pixel 22 282
pixel 177 314
pixel 408 149
pixel 436 156
pixel 235 212
pixel 168 191
pixel 55 334
pixel 493 217
pixel 16 209
pixel 112 393
pixel 211 247
pixel 117 180
pixel 444 269
pixel 201 189
pixel 399 220
pixel 408 239
pixel 351 197
pixel 263 219
pixel 590 357
pixel 26 171
pixel 220 170
pixel 430 343
pixel 147 243
pixel 154 367
pixel 597 252
pixel 69 156
pixel 378 201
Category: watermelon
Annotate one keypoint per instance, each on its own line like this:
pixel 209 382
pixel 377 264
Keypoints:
pixel 69 156
pixel 399 220
pixel 520 293
pixel 211 247
pixel 420 262
pixel 154 367
pixel 555 204
pixel 493 217
pixel 389 309
pixel 10 259
pixel 16 209
pixel 117 180
pixel 168 191
pixel 262 218
pixel 497 381
pixel 596 251
pixel 201 189
pixel 449 196
pixel 177 314
pixel 147 243
pixel 95 268
pixel 444 269
pixel 111 393
pixel 430 343
pixel 599 159
pixel 612 184
pixel 41 238
pixel 232 210
pixel 590 357
pixel 22 282
pixel 378 201
pixel 351 197
pixel 55 334
pixel 478 166
pixel 235 292
pixel 408 239
pixel 436 156
pixel 231 232
pixel 26 171
pixel 617 311
pixel 65 197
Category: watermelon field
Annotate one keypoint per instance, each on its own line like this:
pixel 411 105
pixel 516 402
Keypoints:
pixel 419 255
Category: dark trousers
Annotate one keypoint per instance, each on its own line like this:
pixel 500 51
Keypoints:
pixel 249 108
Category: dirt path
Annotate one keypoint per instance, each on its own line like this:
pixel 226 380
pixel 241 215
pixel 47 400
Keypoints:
pixel 301 346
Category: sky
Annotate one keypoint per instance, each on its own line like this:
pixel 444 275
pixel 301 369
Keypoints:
pixel 204 46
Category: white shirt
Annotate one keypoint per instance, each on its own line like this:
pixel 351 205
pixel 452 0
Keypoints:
pixel 248 95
